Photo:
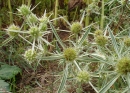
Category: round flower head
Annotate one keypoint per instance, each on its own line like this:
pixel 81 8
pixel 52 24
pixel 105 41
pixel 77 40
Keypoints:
pixel 101 40
pixel 98 32
pixel 76 27
pixel 127 42
pixel 11 30
pixel 83 76
pixel 32 18
pixel 123 65
pixel 30 55
pixel 70 54
pixel 34 32
pixel 24 10
pixel 42 27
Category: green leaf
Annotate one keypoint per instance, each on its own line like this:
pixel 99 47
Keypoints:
pixel 84 37
pixel 63 80
pixel 109 84
pixel 8 72
pixel 114 43
pixel 56 35
pixel 4 86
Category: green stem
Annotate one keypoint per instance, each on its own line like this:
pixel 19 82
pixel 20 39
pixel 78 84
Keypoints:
pixel 29 2
pixel 10 9
pixel 56 11
pixel 22 1
pixel 87 16
pixel 102 16
pixel 0 23
pixel 77 66
pixel 75 14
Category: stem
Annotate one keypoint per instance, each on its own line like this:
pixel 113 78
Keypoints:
pixel 102 16
pixel 87 16
pixel 56 11
pixel 22 1
pixel 75 13
pixel 10 9
pixel 29 2
pixel 77 66
pixel 0 23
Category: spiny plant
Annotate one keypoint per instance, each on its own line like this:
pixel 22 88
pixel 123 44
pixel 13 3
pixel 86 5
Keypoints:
pixel 108 50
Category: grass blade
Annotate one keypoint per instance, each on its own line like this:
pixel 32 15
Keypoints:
pixel 6 41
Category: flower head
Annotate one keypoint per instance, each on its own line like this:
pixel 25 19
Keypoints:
pixel 127 42
pixel 34 32
pixel 30 55
pixel 76 27
pixel 12 30
pixel 70 54
pixel 83 76
pixel 101 40
pixel 32 18
pixel 24 10
pixel 98 32
pixel 123 65
pixel 42 27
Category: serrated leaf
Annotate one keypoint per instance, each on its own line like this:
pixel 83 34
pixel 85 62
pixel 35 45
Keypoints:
pixel 8 72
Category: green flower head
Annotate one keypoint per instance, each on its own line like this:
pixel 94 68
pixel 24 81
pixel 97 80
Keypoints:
pixel 70 54
pixel 98 32
pixel 24 10
pixel 12 30
pixel 123 65
pixel 101 40
pixel 30 55
pixel 83 76
pixel 32 18
pixel 34 32
pixel 127 42
pixel 76 27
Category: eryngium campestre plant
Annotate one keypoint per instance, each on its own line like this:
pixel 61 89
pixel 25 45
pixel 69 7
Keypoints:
pixel 123 65
pixel 83 77
pixel 76 27
pixel 24 10
pixel 101 40
pixel 30 55
pixel 11 30
pixel 70 54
